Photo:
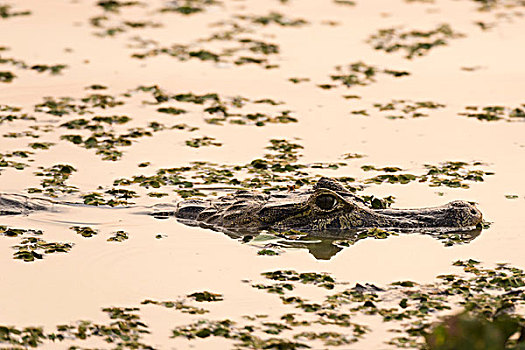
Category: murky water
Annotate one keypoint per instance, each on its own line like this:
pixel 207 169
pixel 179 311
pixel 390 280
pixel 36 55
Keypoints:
pixel 166 260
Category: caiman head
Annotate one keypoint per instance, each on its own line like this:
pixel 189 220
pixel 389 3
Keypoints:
pixel 328 206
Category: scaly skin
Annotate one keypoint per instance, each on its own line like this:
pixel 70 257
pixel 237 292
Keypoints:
pixel 329 206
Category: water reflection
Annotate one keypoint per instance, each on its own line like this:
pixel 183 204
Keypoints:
pixel 326 244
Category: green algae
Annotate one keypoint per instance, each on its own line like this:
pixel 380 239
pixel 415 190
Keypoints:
pixel 171 110
pixel 11 113
pixel 275 18
pixel 268 252
pixel 298 80
pixel 6 11
pixel 482 294
pixel 54 180
pixel 239 55
pixel 15 232
pixel 228 329
pixel 217 109
pixel 116 5
pixel 407 109
pixel 318 279
pixel 414 42
pixel 41 145
pixel 177 305
pixel 488 298
pixel 35 248
pixel 103 138
pixel 6 77
pixel 361 74
pixel 84 231
pixel 453 174
pixel 495 113
pixel 205 296
pixel 203 142
pixel 118 236
pixel 345 2
pixel 188 7
pixel 117 197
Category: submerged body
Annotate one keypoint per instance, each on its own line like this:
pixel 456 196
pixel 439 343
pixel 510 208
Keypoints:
pixel 328 206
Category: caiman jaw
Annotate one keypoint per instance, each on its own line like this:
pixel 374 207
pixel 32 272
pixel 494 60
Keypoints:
pixel 456 214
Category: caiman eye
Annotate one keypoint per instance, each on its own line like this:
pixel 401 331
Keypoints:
pixel 326 201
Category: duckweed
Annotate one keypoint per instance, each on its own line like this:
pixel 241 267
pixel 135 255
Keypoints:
pixel 494 113
pixel 414 42
pixel 35 248
pixel 205 296
pixel 361 74
pixel 84 231
pixel 54 182
pixel 6 11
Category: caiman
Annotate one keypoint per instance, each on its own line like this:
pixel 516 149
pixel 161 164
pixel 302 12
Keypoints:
pixel 328 206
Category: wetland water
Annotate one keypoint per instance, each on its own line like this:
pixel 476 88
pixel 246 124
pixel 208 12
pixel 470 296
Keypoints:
pixel 117 106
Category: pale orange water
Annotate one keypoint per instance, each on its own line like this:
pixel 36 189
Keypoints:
pixel 96 273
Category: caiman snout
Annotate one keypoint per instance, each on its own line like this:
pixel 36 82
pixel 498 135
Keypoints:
pixel 466 213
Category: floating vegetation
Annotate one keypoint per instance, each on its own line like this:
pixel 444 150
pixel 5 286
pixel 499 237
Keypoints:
pixel 318 279
pixel 275 18
pixel 415 42
pixel 361 74
pixel 400 109
pixel 299 80
pixel 119 236
pixel 258 119
pixel 171 110
pixel 236 44
pixel 34 248
pixel 41 145
pixel 487 294
pixel 125 330
pixel 119 197
pixel 54 182
pixel 268 252
pixel 67 105
pixel 7 12
pixel 490 5
pixel 450 174
pixel 248 51
pixel 205 296
pixel 228 329
pixel 84 231
pixel 188 7
pixel 418 314
pixel 177 305
pixel 122 27
pixel 116 5
pixel 217 109
pixel 11 113
pixel 4 163
pixel 15 232
pixel 7 76
pixel 494 113
pixel 344 2
pixel 103 138
pixel 202 142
